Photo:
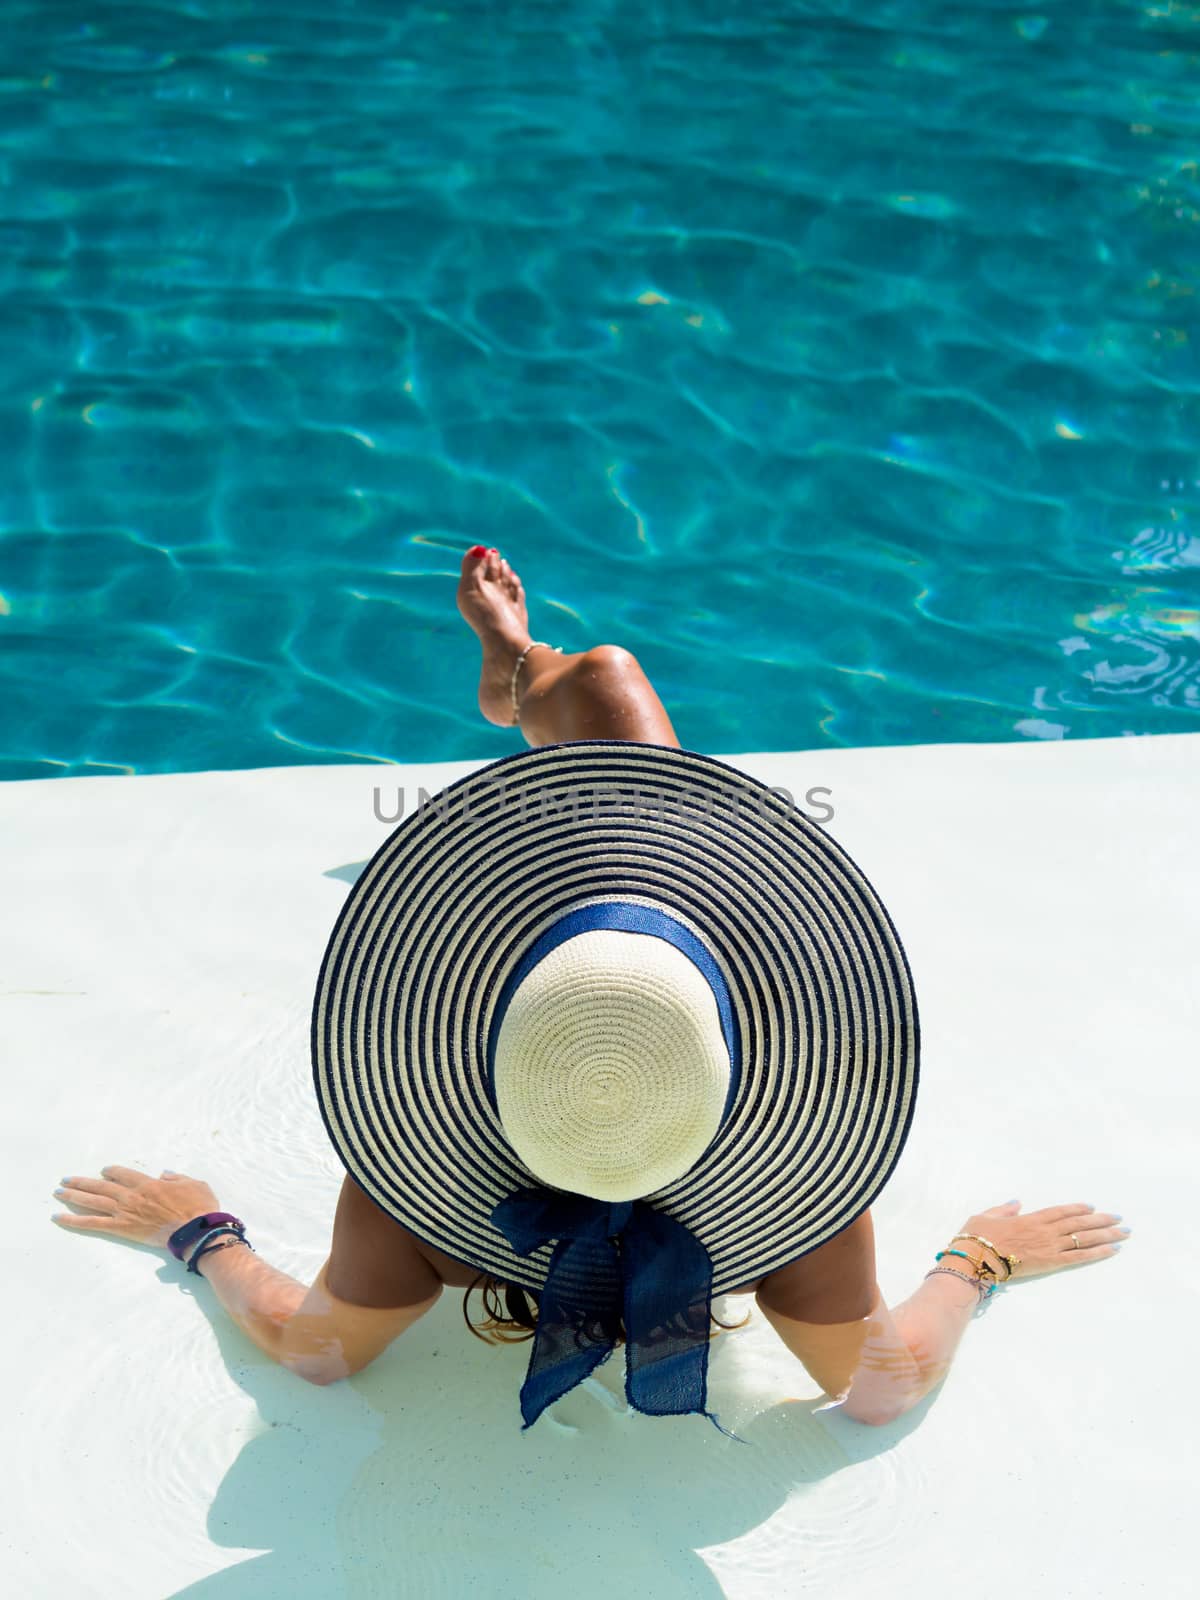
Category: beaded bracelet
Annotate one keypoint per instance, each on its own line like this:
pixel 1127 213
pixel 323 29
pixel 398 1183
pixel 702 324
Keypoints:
pixel 210 1242
pixel 976 1261
pixel 986 1291
pixel 985 1268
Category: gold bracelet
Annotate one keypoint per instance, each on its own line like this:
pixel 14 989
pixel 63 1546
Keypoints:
pixel 1009 1261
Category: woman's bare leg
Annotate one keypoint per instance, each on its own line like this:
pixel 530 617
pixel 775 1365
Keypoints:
pixel 601 693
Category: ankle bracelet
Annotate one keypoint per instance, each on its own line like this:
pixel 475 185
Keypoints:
pixel 557 648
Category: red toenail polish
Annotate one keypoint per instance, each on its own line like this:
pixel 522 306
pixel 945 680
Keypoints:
pixel 492 551
pixel 477 550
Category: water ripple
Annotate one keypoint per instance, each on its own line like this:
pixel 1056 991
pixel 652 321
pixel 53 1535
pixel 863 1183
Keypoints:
pixel 841 366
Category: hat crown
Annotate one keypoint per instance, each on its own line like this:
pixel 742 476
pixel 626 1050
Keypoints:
pixel 611 1067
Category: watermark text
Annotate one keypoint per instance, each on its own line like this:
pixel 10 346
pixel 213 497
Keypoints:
pixel 577 803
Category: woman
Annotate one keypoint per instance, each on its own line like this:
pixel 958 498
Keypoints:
pixel 380 1277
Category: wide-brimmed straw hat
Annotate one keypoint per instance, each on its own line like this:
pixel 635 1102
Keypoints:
pixel 619 1024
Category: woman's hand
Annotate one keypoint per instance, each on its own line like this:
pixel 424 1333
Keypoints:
pixel 1042 1239
pixel 132 1205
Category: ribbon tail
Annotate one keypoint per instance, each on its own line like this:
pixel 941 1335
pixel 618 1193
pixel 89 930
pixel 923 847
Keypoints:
pixel 668 1300
pixel 678 1385
pixel 569 1342
pixel 712 1417
pixel 547 1381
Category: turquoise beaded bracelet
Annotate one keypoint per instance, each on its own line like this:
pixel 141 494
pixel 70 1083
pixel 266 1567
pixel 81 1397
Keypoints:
pixel 986 1290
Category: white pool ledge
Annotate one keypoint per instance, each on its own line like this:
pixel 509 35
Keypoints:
pixel 161 939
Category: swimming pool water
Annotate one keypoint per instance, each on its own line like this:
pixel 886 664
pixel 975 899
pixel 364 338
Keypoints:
pixel 841 361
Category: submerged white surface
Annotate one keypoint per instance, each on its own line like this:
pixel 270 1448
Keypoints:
pixel 161 939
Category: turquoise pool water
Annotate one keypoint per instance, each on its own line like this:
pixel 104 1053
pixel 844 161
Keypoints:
pixel 839 360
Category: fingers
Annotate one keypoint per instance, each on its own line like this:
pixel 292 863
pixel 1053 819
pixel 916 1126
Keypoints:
pixel 1067 1213
pixel 90 1186
pixel 102 1203
pixel 110 1186
pixel 127 1175
pixel 1080 1258
pixel 1098 1222
pixel 1057 1213
pixel 1097 1239
pixel 85 1224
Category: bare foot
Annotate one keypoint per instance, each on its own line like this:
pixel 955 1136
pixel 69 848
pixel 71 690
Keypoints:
pixel 492 601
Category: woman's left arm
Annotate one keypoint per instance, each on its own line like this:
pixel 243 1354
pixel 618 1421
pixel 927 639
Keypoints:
pixel 308 1330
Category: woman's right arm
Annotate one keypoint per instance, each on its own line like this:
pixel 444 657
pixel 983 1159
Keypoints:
pixel 836 1355
pixel 889 1360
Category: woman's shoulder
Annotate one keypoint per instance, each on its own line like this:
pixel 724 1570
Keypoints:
pixel 833 1283
pixel 377 1250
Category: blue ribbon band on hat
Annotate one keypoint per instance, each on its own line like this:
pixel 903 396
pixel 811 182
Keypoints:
pixel 627 917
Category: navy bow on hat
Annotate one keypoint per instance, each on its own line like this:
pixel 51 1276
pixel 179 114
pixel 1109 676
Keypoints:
pixel 614 1259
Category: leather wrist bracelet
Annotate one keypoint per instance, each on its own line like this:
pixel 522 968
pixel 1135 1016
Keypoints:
pixel 218 1239
pixel 194 1236
pixel 182 1240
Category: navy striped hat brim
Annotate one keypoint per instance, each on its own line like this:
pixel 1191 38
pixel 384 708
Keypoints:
pixel 822 996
